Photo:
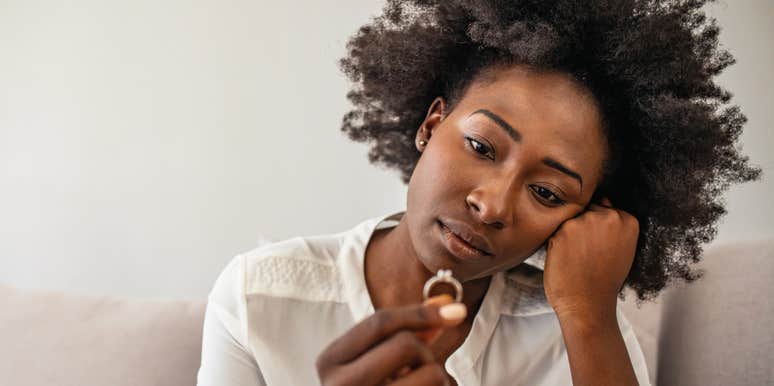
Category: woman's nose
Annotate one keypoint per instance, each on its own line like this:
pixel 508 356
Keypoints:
pixel 492 204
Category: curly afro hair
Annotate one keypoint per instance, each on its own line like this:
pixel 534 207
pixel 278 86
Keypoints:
pixel 648 63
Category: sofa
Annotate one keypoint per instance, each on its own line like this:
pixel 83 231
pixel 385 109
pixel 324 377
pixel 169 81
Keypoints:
pixel 716 331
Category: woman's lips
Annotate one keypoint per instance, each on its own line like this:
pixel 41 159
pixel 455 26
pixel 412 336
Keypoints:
pixel 459 247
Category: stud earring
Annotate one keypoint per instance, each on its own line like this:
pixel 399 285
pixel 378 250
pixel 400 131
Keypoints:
pixel 422 142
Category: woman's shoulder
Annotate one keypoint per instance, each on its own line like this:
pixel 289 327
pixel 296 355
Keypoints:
pixel 320 249
pixel 298 267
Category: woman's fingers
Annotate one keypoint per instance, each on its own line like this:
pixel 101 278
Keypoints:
pixel 402 350
pixel 439 300
pixel 387 344
pixel 379 326
pixel 429 335
pixel 428 375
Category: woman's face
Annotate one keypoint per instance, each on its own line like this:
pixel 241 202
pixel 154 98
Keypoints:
pixel 517 156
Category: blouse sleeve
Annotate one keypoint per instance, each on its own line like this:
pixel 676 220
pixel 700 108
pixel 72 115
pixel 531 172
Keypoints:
pixel 633 348
pixel 226 360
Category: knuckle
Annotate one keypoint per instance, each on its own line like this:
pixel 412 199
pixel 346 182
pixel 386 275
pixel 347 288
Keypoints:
pixel 607 215
pixel 624 218
pixel 633 221
pixel 380 320
pixel 567 226
pixel 407 341
pixel 422 314
pixel 574 224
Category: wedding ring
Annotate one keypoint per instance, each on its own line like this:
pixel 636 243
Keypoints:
pixel 443 276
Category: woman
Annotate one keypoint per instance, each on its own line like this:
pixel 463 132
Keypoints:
pixel 555 152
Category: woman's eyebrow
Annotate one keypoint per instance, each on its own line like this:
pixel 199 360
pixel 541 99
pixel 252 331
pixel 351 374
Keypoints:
pixel 516 136
pixel 564 169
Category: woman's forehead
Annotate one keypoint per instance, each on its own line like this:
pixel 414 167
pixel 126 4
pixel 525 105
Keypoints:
pixel 539 98
pixel 549 106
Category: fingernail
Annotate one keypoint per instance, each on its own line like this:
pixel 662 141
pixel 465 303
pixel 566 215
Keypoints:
pixel 453 311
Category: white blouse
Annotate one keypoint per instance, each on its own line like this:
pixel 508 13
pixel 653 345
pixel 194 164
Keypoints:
pixel 274 309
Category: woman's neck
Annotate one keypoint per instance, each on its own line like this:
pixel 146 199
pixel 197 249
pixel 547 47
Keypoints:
pixel 395 275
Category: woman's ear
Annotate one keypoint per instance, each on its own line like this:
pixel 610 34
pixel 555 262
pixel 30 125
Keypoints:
pixel 435 115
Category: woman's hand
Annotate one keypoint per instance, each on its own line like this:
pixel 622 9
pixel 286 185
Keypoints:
pixel 587 261
pixel 391 347
pixel 588 258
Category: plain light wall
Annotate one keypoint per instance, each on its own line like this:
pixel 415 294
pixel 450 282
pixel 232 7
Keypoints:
pixel 143 144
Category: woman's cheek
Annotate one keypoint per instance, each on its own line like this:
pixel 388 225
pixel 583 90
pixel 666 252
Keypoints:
pixel 540 227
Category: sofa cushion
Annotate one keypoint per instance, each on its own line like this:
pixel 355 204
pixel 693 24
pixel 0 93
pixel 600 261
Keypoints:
pixel 54 338
pixel 718 329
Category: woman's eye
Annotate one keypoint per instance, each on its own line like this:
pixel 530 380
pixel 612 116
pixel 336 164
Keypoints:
pixel 479 147
pixel 547 195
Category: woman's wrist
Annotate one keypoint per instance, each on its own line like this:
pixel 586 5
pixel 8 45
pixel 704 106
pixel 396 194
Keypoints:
pixel 584 313
pixel 595 347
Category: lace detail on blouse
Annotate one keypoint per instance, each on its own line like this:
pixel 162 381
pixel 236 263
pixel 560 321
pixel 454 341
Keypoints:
pixel 297 278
